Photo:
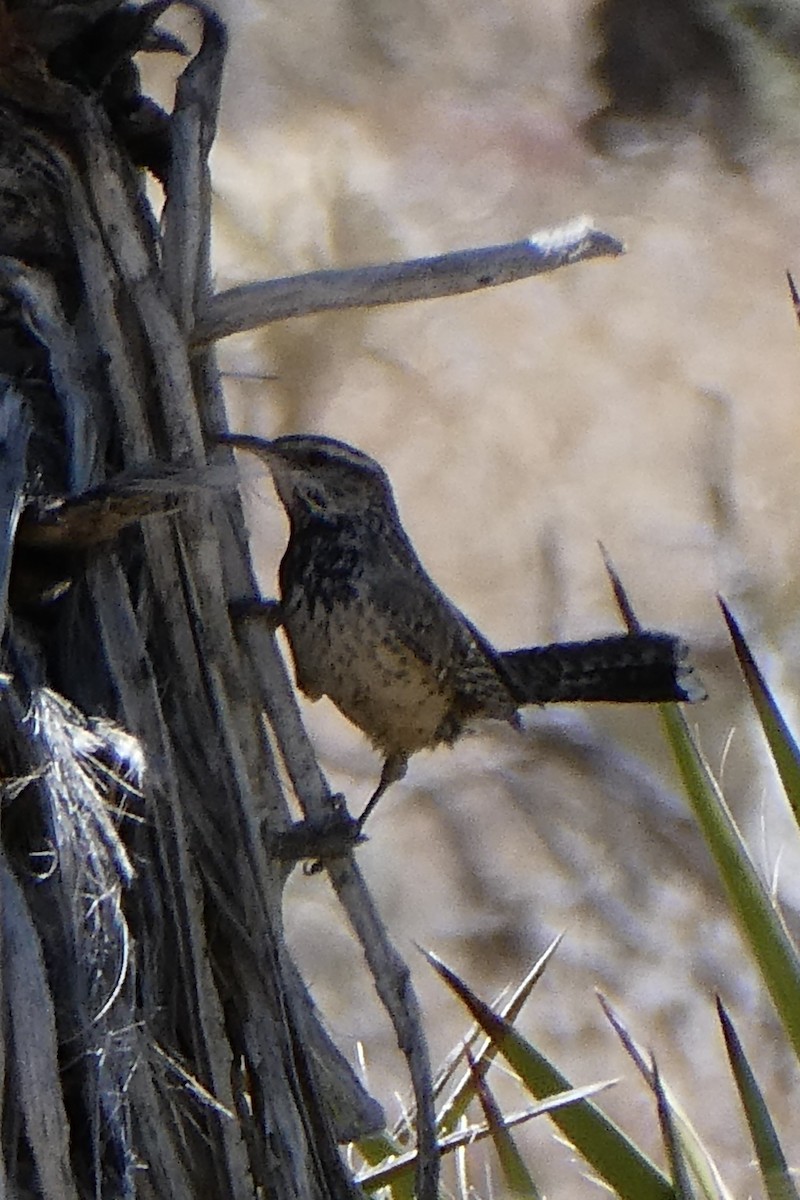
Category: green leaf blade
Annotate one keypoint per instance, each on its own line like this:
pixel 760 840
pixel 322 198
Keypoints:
pixel 602 1144
pixel 783 746
pixel 518 1179
pixel 759 922
pixel 772 1162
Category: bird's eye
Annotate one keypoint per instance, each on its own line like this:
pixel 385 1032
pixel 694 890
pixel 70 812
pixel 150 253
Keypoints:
pixel 316 459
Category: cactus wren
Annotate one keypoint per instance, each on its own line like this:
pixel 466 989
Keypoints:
pixel 369 628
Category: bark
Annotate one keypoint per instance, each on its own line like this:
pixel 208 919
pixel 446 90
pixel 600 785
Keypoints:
pixel 156 1038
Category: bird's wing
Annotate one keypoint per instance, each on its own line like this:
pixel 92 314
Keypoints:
pixel 430 627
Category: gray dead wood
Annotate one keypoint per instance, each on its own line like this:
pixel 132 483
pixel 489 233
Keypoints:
pixel 461 271
pixel 157 1040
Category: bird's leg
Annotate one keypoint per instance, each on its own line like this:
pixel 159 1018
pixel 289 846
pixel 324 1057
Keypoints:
pixel 394 769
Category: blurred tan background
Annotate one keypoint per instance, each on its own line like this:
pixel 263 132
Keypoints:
pixel 651 402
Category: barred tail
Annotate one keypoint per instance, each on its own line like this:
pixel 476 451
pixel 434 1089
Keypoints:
pixel 634 668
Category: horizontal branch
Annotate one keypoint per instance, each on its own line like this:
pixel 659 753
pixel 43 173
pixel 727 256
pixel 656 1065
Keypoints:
pixel 255 304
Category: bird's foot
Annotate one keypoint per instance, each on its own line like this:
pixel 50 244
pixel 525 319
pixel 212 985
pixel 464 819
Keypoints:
pixel 250 608
pixel 330 836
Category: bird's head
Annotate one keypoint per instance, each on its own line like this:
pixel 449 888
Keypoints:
pixel 319 476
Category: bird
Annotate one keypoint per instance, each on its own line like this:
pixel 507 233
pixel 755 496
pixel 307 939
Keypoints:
pixel 369 628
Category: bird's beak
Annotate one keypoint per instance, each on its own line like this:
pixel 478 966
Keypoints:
pixel 247 441
pixel 283 476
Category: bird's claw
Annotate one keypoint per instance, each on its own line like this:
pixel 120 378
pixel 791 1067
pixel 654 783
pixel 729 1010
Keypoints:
pixel 331 836
pixel 250 608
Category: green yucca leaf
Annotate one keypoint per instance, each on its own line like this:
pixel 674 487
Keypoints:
pixel 672 1141
pixel 518 1179
pixel 378 1147
pixel 401 1169
pixel 784 748
pixel 778 1183
pixel 704 1170
pixel 604 1146
pixel 464 1091
pixel 759 922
